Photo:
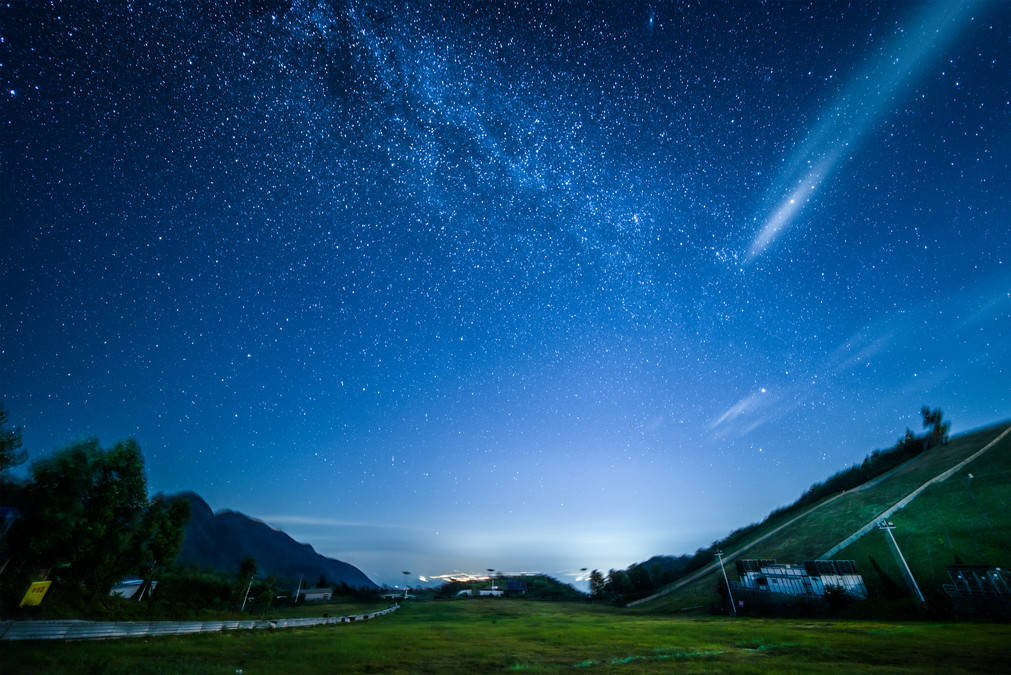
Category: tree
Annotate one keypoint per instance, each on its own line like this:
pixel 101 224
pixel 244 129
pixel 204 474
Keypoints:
pixel 85 510
pixel 266 592
pixel 639 577
pixel 82 507
pixel 597 584
pixel 159 536
pixel 11 453
pixel 247 570
pixel 619 583
pixel 933 419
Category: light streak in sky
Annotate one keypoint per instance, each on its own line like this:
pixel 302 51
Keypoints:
pixel 870 94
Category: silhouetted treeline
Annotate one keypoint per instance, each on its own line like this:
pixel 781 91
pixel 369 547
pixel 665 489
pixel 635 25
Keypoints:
pixel 642 579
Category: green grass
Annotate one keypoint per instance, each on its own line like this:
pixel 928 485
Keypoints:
pixel 819 531
pixel 340 607
pixel 962 518
pixel 516 635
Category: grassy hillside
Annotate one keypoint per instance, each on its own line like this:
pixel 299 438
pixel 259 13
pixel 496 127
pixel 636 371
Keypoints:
pixel 825 527
pixel 962 519
pixel 516 635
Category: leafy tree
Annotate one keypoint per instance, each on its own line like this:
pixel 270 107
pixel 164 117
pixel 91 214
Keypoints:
pixel 247 570
pixel 11 453
pixel 266 592
pixel 597 584
pixel 194 589
pixel 159 536
pixel 618 582
pixel 321 582
pixel 639 577
pixel 85 511
pixel 933 419
pixel 83 505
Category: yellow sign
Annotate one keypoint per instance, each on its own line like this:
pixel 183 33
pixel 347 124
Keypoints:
pixel 35 593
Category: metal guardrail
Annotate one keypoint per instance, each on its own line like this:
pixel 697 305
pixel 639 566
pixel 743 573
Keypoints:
pixel 97 630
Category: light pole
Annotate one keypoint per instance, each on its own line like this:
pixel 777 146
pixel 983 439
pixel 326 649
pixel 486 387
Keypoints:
pixel 406 587
pixel 888 526
pixel 245 596
pixel 491 579
pixel 733 608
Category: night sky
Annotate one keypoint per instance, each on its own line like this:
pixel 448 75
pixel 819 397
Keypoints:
pixel 532 287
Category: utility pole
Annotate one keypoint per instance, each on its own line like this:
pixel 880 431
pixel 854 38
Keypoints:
pixel 246 595
pixel 888 526
pixel 733 607
pixel 299 589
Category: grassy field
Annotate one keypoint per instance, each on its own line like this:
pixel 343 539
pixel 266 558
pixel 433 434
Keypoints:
pixel 518 635
pixel 819 531
pixel 339 608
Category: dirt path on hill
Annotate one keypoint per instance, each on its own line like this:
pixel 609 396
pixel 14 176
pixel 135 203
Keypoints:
pixel 943 476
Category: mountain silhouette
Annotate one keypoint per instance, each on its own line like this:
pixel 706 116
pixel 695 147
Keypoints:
pixel 222 540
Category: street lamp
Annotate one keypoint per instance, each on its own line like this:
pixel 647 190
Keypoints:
pixel 888 526
pixel 245 596
pixel 406 586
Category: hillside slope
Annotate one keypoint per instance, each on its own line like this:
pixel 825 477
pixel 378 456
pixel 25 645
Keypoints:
pixel 962 520
pixel 222 541
pixel 838 517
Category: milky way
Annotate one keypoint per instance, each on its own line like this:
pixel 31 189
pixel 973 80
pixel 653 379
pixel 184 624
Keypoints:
pixel 438 287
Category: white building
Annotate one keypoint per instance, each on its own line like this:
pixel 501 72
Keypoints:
pixel 812 578
pixel 128 588
pixel 313 594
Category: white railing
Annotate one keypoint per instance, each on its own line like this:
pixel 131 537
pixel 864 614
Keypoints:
pixel 93 630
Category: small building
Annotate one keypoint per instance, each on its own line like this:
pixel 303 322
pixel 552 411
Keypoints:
pixel 978 581
pixel 980 590
pixel 398 595
pixel 314 594
pixel 127 588
pixel 490 593
pixel 812 578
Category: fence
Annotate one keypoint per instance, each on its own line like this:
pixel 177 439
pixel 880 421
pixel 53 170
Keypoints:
pixel 93 630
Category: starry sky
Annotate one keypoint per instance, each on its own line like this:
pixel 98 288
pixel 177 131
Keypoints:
pixel 531 286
